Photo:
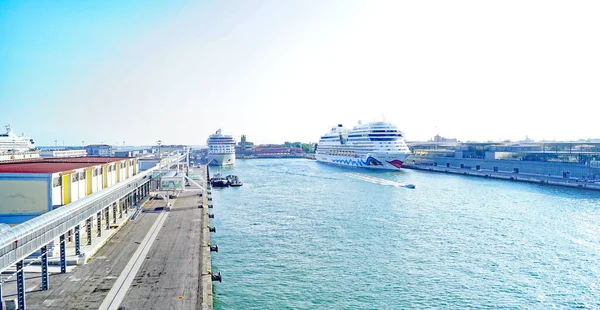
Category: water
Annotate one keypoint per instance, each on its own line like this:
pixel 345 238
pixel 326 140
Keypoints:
pixel 305 235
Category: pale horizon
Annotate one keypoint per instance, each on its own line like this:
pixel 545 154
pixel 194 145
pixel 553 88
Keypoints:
pixel 288 71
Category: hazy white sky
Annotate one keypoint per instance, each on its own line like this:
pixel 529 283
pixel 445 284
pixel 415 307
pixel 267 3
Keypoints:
pixel 289 70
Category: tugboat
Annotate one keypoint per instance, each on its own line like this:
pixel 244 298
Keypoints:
pixel 219 181
pixel 230 180
pixel 234 181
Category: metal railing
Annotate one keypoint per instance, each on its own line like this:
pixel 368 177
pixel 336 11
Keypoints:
pixel 24 239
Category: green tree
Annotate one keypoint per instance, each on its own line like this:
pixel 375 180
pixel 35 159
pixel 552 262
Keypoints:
pixel 308 148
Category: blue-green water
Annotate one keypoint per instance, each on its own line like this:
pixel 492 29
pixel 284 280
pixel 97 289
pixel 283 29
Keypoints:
pixel 305 235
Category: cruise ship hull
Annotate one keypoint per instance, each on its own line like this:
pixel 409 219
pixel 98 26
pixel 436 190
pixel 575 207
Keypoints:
pixel 221 159
pixel 370 161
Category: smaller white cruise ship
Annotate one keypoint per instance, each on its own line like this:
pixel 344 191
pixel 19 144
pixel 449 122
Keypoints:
pixel 377 145
pixel 10 142
pixel 221 149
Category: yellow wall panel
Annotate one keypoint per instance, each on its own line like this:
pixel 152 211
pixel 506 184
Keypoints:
pixel 66 186
pixel 88 182
pixel 104 176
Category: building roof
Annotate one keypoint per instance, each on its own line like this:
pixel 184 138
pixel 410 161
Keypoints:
pixel 53 165
pixel 87 159
pixel 98 145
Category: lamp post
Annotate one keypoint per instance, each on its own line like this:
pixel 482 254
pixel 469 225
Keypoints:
pixel 187 155
pixel 159 142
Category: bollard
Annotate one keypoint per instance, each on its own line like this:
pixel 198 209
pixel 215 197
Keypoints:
pixel 214 248
pixel 212 229
pixel 211 216
pixel 210 206
pixel 216 277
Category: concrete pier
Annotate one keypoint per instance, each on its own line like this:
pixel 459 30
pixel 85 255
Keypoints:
pixel 171 274
pixel 86 286
pixel 518 177
pixel 160 260
pixel 207 296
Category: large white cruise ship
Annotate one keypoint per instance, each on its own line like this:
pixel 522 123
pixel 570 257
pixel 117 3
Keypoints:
pixel 377 145
pixel 10 142
pixel 221 149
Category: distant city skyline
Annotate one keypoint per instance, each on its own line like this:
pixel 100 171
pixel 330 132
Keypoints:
pixel 140 71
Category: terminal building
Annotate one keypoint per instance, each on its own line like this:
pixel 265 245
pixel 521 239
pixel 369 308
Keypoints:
pixel 275 151
pixel 569 160
pixel 63 153
pixel 133 152
pixel 103 150
pixel 4 157
pixel 29 188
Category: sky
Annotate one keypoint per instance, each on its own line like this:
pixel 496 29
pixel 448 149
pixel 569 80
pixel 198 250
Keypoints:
pixel 138 71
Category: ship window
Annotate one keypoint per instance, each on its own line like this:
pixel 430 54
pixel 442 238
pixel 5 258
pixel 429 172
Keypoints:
pixel 82 175
pixel 56 182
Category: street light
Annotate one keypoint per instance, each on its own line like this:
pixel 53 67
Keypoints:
pixel 159 142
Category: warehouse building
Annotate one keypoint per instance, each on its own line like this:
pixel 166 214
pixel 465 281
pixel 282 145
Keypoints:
pixel 30 188
pixel 103 150
pixel 63 153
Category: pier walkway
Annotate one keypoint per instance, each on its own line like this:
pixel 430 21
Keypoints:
pixel 170 274
pixel 87 286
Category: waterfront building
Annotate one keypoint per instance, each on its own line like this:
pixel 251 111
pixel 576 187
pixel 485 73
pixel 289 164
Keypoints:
pixel 439 138
pixel 569 160
pixel 132 152
pixel 33 187
pixel 103 150
pixel 63 153
pixel 275 151
pixel 244 147
pixel 4 157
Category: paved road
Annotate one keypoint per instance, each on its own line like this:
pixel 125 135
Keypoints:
pixel 170 277
pixel 87 286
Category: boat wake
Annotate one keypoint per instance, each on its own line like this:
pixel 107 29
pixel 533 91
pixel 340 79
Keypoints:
pixel 380 181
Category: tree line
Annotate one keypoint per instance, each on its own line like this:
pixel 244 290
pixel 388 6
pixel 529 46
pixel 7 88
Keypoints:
pixel 306 147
